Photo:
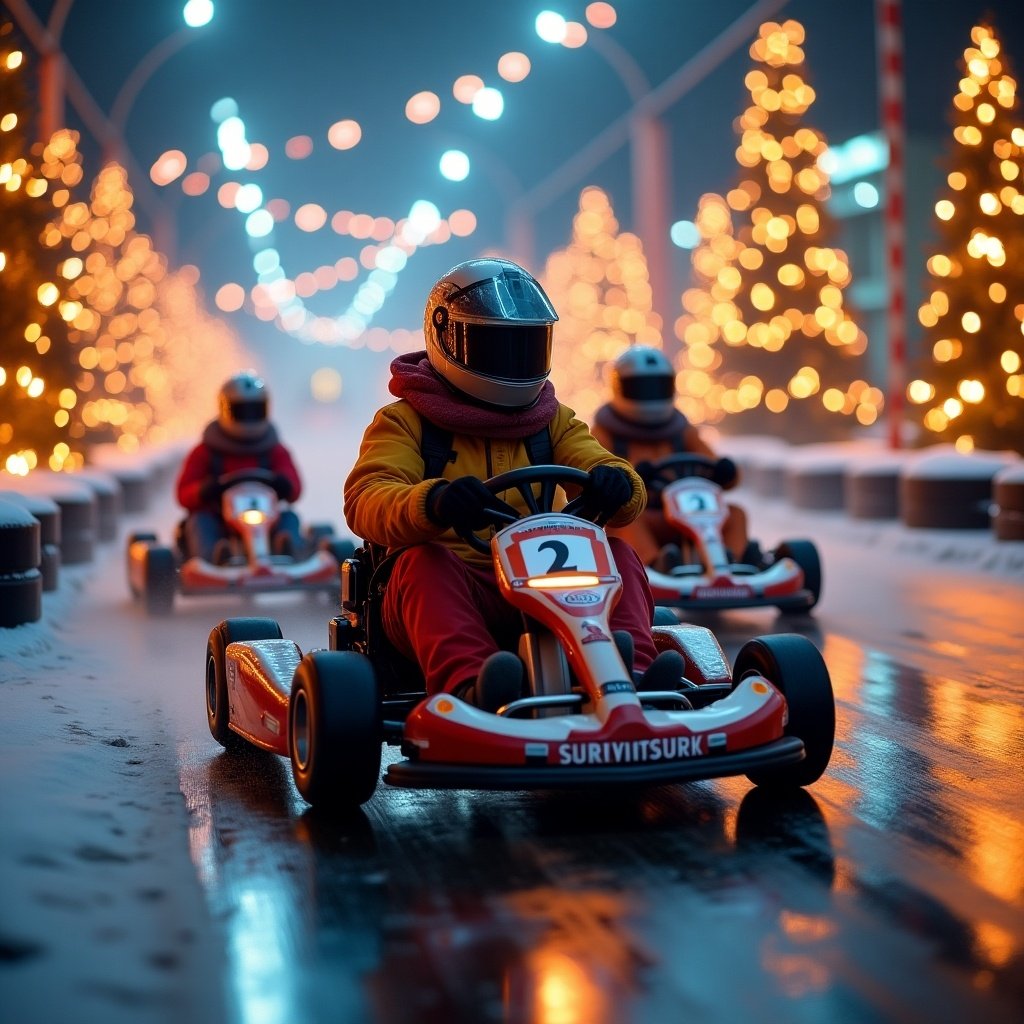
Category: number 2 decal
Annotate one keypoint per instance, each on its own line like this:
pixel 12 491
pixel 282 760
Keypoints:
pixel 561 552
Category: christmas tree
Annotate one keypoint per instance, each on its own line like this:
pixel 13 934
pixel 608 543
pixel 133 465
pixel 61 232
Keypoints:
pixel 707 304
pixel 789 348
pixel 37 392
pixel 972 391
pixel 117 330
pixel 600 289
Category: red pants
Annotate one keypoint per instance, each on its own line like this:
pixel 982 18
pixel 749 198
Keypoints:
pixel 448 616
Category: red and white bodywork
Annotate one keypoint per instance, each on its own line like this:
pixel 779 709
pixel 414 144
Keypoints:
pixel 695 508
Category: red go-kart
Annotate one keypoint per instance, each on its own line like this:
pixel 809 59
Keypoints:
pixel 250 508
pixel 788 577
pixel 582 723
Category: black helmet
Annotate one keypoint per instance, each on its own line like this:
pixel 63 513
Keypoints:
pixel 643 385
pixel 487 328
pixel 242 406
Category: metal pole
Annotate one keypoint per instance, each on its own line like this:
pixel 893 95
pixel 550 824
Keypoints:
pixel 889 30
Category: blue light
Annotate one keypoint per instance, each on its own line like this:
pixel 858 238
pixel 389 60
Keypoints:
pixel 865 194
pixel 222 109
pixel 259 224
pixel 454 165
pixel 684 234
pixel 550 26
pixel 488 103
pixel 197 13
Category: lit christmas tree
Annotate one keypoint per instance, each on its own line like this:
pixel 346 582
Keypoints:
pixel 600 289
pixel 117 330
pixel 36 370
pixel 972 392
pixel 788 346
pixel 707 304
pixel 197 353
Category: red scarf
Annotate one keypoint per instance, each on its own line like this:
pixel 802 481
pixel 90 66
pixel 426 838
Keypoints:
pixel 414 380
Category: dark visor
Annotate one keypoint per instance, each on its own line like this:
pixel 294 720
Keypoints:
pixel 647 389
pixel 248 412
pixel 497 350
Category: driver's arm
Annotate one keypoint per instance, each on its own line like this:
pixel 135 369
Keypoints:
pixel 575 446
pixel 196 470
pixel 385 493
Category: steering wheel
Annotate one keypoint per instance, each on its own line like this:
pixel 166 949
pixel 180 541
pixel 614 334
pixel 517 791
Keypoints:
pixel 677 466
pixel 254 475
pixel 522 480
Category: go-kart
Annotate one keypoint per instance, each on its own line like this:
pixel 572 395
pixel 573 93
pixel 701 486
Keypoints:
pixel 250 507
pixel 788 577
pixel 582 722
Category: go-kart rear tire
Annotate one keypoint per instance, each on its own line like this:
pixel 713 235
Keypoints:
pixel 160 576
pixel 133 538
pixel 805 554
pixel 796 668
pixel 334 729
pixel 227 632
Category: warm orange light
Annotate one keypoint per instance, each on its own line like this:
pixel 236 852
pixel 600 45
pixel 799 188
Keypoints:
pixel 563 582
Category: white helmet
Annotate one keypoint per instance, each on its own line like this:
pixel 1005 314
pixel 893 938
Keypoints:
pixel 487 327
pixel 643 385
pixel 243 405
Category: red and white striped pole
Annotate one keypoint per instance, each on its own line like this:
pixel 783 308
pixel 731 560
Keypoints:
pixel 889 34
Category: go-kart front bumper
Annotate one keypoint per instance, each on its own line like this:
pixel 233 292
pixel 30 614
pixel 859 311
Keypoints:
pixel 319 572
pixel 426 775
pixel 781 585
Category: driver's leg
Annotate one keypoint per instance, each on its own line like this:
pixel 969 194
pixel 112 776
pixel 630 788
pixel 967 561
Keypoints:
pixel 202 531
pixel 446 615
pixel 635 610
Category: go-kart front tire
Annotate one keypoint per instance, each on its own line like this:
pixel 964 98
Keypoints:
pixel 160 581
pixel 805 554
pixel 218 713
pixel 795 667
pixel 334 729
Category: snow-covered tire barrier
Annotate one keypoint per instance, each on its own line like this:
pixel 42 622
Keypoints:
pixel 48 513
pixel 21 583
pixel 871 491
pixel 78 518
pixel 1008 503
pixel 948 491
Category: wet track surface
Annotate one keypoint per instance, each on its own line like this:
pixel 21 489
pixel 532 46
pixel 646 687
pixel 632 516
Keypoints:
pixel 892 890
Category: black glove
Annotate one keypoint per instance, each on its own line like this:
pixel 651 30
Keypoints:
pixel 724 472
pixel 282 486
pixel 209 491
pixel 607 490
pixel 464 504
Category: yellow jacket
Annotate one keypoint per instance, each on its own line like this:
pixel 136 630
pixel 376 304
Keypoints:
pixel 386 494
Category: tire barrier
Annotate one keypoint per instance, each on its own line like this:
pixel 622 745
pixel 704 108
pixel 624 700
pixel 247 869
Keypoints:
pixel 1008 503
pixel 47 512
pixel 949 491
pixel 815 484
pixel 77 504
pixel 871 491
pixel 109 501
pixel 21 583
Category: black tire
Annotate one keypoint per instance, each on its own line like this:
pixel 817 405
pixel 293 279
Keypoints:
pixel 334 729
pixel 148 538
pixel 50 567
pixel 796 668
pixel 805 554
pixel 224 633
pixel 20 539
pixel 21 598
pixel 664 616
pixel 160 575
